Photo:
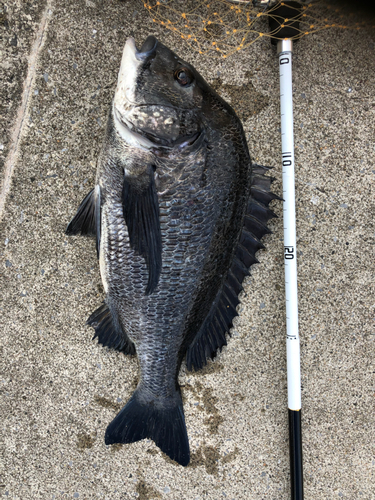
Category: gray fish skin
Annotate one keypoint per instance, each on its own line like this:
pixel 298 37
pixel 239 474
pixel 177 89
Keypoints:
pixel 172 191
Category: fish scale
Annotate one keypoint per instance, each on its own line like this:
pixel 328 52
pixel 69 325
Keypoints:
pixel 178 212
pixel 176 283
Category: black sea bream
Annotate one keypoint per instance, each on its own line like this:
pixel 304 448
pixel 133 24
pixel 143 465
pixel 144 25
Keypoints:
pixel 178 211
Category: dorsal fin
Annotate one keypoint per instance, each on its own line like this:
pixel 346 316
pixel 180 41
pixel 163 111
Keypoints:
pixel 211 336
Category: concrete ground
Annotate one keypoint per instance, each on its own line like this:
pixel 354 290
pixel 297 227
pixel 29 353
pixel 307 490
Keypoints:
pixel 59 389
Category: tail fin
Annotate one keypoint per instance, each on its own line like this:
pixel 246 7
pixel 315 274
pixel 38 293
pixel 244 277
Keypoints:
pixel 165 426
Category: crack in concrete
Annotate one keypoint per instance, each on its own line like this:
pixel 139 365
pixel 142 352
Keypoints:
pixel 18 129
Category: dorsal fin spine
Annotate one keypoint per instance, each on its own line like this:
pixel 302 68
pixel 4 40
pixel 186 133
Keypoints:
pixel 223 311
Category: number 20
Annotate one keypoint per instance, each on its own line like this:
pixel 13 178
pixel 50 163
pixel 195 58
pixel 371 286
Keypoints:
pixel 289 253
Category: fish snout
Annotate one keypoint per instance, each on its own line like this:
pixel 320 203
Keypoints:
pixel 148 48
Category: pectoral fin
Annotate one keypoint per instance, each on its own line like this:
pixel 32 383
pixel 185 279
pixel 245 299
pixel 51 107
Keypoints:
pixel 141 214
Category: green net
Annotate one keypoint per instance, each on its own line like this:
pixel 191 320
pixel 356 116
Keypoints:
pixel 223 27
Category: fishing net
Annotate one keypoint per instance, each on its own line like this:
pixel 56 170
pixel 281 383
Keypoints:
pixel 223 27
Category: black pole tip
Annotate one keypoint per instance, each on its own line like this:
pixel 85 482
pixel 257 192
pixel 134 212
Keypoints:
pixel 295 448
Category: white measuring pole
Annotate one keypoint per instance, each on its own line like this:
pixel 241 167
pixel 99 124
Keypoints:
pixel 289 218
pixel 285 52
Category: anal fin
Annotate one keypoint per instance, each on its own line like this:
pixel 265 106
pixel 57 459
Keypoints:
pixel 109 331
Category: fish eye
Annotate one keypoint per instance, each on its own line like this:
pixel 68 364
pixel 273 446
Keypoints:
pixel 183 76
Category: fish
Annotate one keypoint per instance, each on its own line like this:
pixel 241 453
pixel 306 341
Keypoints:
pixel 178 212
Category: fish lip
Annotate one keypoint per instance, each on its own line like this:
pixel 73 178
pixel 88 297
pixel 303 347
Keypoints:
pixel 130 45
pixel 142 55
pixel 139 54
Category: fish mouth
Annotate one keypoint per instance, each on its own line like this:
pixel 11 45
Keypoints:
pixel 147 50
pixel 125 101
pixel 159 145
pixel 129 133
pixel 155 140
pixel 131 61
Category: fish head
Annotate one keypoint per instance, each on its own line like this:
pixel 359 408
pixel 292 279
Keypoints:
pixel 159 99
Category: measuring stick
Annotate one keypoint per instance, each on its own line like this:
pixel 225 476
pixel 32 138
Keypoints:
pixel 285 51
pixel 284 25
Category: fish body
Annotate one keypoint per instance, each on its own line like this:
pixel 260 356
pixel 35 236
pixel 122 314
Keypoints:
pixel 178 211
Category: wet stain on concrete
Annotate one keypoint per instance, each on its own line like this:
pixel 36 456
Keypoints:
pixel 85 441
pixel 239 396
pixel 213 422
pixel 211 367
pixel 157 451
pixel 116 447
pixel 207 401
pixel 3 19
pixel 230 456
pixel 146 491
pixel 107 403
pixel 208 457
pixel 151 451
pixel 244 99
pixel 213 31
